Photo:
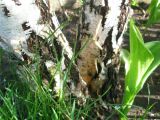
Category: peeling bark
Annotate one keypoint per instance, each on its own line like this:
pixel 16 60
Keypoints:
pixel 19 18
pixel 25 24
pixel 103 22
pixel 102 28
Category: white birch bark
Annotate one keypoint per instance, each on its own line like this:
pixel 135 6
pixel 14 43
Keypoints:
pixel 20 18
pixel 14 14
pixel 103 25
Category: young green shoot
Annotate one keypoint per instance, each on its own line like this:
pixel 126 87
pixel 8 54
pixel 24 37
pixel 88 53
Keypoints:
pixel 140 62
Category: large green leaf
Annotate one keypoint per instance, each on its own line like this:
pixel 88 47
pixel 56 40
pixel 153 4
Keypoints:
pixel 140 59
pixel 154 47
pixel 154 11
pixel 152 5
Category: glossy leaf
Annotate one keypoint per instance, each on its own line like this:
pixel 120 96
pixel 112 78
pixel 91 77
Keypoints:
pixel 140 59
pixel 154 11
pixel 154 47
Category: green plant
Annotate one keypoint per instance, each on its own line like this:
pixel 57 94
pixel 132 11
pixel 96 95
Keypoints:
pixel 154 11
pixel 29 98
pixel 140 62
pixel 134 3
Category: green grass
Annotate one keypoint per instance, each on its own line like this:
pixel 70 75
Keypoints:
pixel 25 96
pixel 29 98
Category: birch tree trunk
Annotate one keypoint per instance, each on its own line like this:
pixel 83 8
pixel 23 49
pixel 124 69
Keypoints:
pixel 103 23
pixel 102 27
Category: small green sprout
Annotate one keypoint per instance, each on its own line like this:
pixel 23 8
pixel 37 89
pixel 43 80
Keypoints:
pixel 134 3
